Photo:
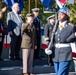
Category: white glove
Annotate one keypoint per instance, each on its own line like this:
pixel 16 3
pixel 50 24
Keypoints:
pixel 48 52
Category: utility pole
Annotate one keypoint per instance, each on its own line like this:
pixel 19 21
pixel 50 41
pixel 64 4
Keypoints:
pixel 0 4
pixel 35 3
pixel 28 6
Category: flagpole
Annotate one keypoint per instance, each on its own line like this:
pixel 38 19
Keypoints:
pixel 28 6
pixel 35 3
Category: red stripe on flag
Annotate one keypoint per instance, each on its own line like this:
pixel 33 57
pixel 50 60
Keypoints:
pixel 62 1
pixel 44 46
pixel 73 54
pixel 6 45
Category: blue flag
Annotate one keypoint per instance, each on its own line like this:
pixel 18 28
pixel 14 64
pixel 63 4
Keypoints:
pixel 11 2
pixel 21 4
pixel 47 3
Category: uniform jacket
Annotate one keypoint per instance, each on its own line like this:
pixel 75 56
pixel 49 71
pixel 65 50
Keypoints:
pixel 29 37
pixel 37 26
pixel 65 36
pixel 48 31
pixel 13 22
pixel 2 29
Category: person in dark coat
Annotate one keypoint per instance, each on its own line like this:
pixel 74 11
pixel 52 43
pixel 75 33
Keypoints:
pixel 64 36
pixel 47 32
pixel 2 33
pixel 38 31
pixel 14 22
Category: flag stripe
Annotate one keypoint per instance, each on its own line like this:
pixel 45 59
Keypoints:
pixel 63 1
pixel 47 3
pixel 73 54
pixel 59 3
pixel 6 46
pixel 11 2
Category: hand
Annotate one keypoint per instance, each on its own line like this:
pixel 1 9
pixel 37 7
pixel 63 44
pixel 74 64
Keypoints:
pixel 0 39
pixel 35 47
pixel 48 52
pixel 10 33
pixel 75 34
pixel 20 15
pixel 23 24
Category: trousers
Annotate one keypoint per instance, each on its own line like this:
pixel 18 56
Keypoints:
pixel 28 55
pixel 62 68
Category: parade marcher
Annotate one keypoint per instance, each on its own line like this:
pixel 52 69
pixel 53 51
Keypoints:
pixel 38 31
pixel 14 22
pixel 48 31
pixel 28 44
pixel 2 33
pixel 64 35
pixel 63 53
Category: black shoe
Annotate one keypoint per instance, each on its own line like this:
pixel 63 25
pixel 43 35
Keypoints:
pixel 11 58
pixel 18 58
pixel 1 59
pixel 37 58
pixel 51 64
